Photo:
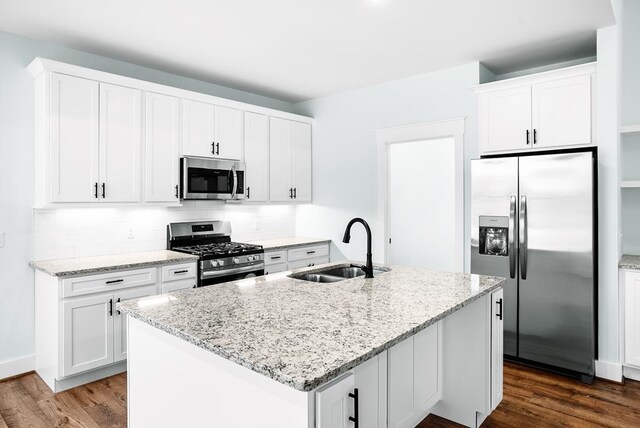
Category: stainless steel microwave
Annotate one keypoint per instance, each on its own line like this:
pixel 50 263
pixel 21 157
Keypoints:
pixel 204 178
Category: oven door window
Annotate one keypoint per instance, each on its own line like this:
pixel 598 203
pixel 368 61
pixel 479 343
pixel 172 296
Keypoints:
pixel 205 180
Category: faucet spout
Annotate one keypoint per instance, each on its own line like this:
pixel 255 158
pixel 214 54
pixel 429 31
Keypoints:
pixel 368 268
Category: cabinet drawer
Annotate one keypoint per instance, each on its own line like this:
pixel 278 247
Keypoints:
pixel 308 262
pixel 178 272
pixel 275 257
pixel 308 252
pixel 278 267
pixel 107 282
pixel 175 286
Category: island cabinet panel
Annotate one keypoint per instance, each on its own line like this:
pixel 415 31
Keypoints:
pixel 87 334
pixel 371 382
pixel 414 377
pixel 120 320
pixel 334 405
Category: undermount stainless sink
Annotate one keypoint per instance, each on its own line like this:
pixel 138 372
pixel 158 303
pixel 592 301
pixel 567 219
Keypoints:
pixel 335 274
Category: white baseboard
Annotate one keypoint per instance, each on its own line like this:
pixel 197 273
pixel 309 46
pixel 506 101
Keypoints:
pixel 18 366
pixel 631 373
pixel 609 371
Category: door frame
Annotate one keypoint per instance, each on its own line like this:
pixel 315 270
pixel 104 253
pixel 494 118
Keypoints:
pixel 451 128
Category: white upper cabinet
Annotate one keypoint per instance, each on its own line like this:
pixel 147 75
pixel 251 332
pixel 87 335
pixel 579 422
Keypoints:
pixel 198 129
pixel 162 148
pixel 211 131
pixel 228 133
pixel 73 121
pixel 301 161
pixel 549 110
pixel 290 160
pixel 256 156
pixel 120 143
pixel 562 112
pixel 505 119
pixel 103 138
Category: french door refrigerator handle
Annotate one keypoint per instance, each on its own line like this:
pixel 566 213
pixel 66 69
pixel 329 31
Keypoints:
pixel 512 237
pixel 523 237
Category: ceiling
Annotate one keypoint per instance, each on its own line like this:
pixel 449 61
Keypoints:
pixel 302 49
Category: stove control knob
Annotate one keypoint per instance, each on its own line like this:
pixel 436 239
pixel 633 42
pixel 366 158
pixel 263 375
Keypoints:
pixel 220 262
pixel 236 260
pixel 250 258
pixel 214 263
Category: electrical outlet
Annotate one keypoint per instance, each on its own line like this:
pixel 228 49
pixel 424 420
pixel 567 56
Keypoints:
pixel 1 239
pixel 256 225
pixel 131 235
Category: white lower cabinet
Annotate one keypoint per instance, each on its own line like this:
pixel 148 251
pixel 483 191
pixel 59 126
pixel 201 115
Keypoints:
pixel 631 307
pixel 87 333
pixel 335 403
pixel 80 335
pixel 497 348
pixel 281 260
pixel 414 377
pixel 120 320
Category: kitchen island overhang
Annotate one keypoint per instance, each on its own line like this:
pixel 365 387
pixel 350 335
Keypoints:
pixel 287 342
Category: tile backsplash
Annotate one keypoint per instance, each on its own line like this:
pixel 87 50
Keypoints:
pixel 81 232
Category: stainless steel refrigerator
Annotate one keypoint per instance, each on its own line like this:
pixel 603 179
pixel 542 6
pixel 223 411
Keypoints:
pixel 534 221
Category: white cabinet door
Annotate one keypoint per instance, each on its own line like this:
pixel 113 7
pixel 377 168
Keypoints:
pixel 120 143
pixel 505 120
pixel 87 333
pixel 162 145
pixel 176 286
pixel 414 377
pixel 301 161
pixel 120 319
pixel 632 318
pixel 333 404
pixel 280 188
pixel 256 156
pixel 562 112
pixel 198 129
pixel 497 349
pixel 228 133
pixel 73 139
pixel 370 381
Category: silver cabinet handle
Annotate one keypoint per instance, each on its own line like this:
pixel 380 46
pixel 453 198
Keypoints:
pixel 512 237
pixel 523 237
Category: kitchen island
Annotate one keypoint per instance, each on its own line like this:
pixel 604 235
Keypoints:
pixel 283 352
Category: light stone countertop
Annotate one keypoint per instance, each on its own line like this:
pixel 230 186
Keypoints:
pixel 91 265
pixel 275 244
pixel 629 262
pixel 304 334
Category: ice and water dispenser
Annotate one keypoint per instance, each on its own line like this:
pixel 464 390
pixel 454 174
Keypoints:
pixel 494 236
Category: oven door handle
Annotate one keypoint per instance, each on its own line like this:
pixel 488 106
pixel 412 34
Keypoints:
pixel 234 174
pixel 225 272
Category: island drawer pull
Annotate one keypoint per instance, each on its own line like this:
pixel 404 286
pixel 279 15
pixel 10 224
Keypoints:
pixel 181 271
pixel 499 314
pixel 275 257
pixel 354 418
pixel 311 252
pixel 113 281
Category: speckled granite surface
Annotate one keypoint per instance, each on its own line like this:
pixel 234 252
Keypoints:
pixel 304 334
pixel 89 265
pixel 275 244
pixel 629 262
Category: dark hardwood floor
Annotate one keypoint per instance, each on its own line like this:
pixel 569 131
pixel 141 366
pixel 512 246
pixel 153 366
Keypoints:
pixel 532 398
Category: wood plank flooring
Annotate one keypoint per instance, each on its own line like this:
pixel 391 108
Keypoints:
pixel 532 398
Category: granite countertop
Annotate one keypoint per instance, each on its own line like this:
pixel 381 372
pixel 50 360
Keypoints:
pixel 629 262
pixel 273 244
pixel 303 334
pixel 90 265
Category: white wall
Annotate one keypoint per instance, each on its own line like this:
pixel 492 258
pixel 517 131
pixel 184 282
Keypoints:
pixel 93 231
pixel 344 150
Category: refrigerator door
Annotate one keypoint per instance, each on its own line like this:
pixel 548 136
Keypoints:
pixel 494 191
pixel 556 312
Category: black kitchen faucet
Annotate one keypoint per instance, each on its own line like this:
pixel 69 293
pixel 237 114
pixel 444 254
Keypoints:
pixel 368 268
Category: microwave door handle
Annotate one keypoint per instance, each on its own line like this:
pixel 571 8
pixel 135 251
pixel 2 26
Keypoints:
pixel 234 175
pixel 512 237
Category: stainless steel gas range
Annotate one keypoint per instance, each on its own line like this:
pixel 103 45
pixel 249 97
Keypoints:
pixel 220 259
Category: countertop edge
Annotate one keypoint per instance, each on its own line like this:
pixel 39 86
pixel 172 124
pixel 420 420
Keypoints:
pixel 97 270
pixel 626 262
pixel 310 385
pixel 304 244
